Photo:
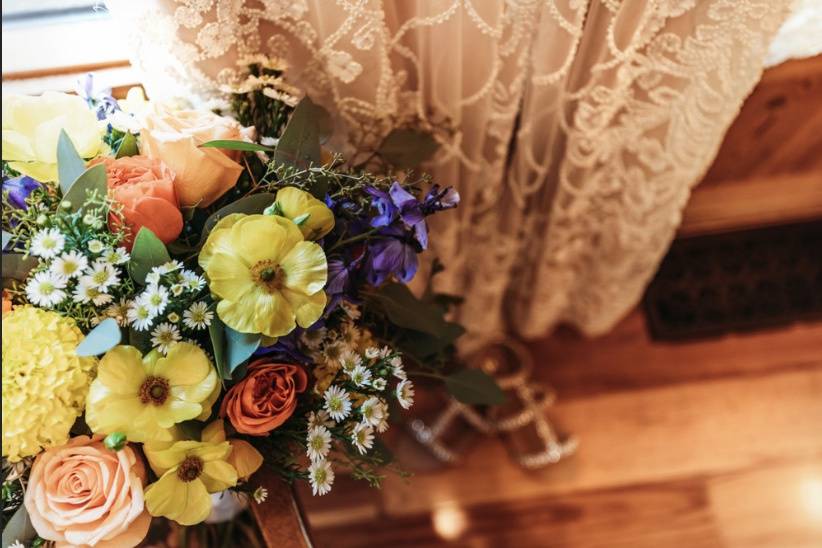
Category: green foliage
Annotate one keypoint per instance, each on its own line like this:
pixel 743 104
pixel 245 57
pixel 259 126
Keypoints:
pixel 474 387
pixel 148 251
pixel 69 163
pixel 407 148
pixel 91 183
pixel 128 146
pixel 299 145
pixel 229 144
pixel 101 339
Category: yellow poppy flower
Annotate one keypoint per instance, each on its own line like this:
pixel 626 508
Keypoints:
pixel 313 216
pixel 244 458
pixel 268 277
pixel 189 471
pixel 144 397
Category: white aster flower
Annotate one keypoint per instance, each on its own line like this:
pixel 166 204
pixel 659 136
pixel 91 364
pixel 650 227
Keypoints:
pixel 92 220
pixel 116 256
pixel 337 403
pixel 333 351
pixel 363 438
pixel 69 265
pixel 16 544
pixel 155 298
pixel 385 352
pixel 95 246
pixel 319 418
pixel 383 410
pixel 193 281
pixel 165 335
pixel 351 309
pixel 103 275
pixel 350 334
pixel 321 476
pixel 101 299
pixel 373 411
pixel 405 394
pixel 379 384
pixel 313 338
pixel 85 290
pixel 350 360
pixel 398 371
pixel 372 352
pixel 318 443
pixel 198 316
pixel 259 495
pixel 46 289
pixel 47 243
pixel 153 278
pixel 170 266
pixel 139 315
pixel 173 317
pixel 177 289
pixel 118 311
pixel 360 376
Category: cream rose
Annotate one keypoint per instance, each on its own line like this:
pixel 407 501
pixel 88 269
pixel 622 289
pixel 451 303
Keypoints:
pixel 83 494
pixel 175 136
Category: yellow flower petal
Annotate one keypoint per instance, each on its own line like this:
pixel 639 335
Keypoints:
pixel 275 316
pixel 218 476
pixel 211 451
pixel 163 456
pixel 229 277
pixel 244 458
pixel 219 239
pixel 296 203
pixel 308 309
pixel 305 267
pixel 121 370
pixel 186 503
pixel 185 364
pixel 214 432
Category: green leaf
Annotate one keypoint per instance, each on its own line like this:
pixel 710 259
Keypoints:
pixel 406 310
pixel 256 203
pixel 407 148
pixel 474 387
pixel 299 144
pixel 229 144
pixel 19 527
pixel 69 163
pixel 148 252
pixel 141 340
pixel 93 179
pixel 6 239
pixel 16 267
pixel 101 339
pixel 128 146
pixel 239 347
pixel 216 332
pixel 301 219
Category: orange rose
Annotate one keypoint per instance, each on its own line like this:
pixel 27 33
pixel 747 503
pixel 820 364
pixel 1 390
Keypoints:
pixel 145 188
pixel 265 398
pixel 82 494
pixel 203 174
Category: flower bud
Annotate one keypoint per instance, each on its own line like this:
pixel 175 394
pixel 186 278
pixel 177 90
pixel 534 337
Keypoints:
pixel 115 441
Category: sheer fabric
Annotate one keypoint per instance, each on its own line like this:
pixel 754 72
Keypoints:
pixel 573 129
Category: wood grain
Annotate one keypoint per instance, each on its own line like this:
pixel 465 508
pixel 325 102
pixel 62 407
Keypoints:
pixel 280 518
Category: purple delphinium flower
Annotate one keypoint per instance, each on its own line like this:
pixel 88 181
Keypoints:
pixel 100 100
pixel 410 211
pixel 390 256
pixel 19 188
pixel 385 207
pixel 285 350
pixel 439 199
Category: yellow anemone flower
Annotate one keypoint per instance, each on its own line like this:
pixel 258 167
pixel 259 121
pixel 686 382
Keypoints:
pixel 31 128
pixel 144 397
pixel 244 458
pixel 267 276
pixel 313 216
pixel 188 471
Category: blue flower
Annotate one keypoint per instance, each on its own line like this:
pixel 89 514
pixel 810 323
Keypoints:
pixel 391 256
pixel 411 213
pixel 386 210
pixel 19 188
pixel 98 99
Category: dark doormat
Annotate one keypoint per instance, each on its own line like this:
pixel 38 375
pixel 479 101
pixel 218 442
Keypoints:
pixel 737 281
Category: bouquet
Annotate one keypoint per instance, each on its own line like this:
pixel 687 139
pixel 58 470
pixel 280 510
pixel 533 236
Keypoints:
pixel 192 294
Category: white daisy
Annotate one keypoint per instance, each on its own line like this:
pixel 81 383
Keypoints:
pixel 337 403
pixel 153 278
pixel 46 289
pixel 85 290
pixel 313 338
pixel 351 309
pixel 360 376
pixel 70 265
pixel 47 243
pixel 259 495
pixel 319 418
pixel 104 275
pixel 116 256
pixel 89 219
pixel 350 360
pixel 198 316
pixel 382 410
pixel 405 394
pixel 350 334
pixel 379 384
pixel 333 351
pixel 177 289
pixel 373 411
pixel 139 315
pixel 363 438
pixel 372 352
pixel 193 281
pixel 165 335
pixel 318 443
pixel 321 476
pixel 155 298
pixel 397 370
pixel 101 299
pixel 173 317
pixel 170 266
pixel 95 246
pixel 118 311
pixel 385 352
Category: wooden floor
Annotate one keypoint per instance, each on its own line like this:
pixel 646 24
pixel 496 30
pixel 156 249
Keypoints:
pixel 699 444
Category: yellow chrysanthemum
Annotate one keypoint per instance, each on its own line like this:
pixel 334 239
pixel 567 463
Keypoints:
pixel 31 128
pixel 44 382
pixel 244 458
pixel 268 277
pixel 314 218
pixel 144 397
pixel 188 471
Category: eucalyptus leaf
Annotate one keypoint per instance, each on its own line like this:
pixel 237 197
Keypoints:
pixel 18 528
pixel 239 347
pixel 474 387
pixel 407 148
pixel 229 144
pixel 406 310
pixel 128 146
pixel 70 165
pixel 299 144
pixel 92 180
pixel 101 339
pixel 256 203
pixel 216 332
pixel 17 267
pixel 148 251
pixel 6 239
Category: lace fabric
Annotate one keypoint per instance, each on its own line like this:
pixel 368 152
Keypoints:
pixel 573 129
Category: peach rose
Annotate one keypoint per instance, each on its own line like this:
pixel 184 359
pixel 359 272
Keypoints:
pixel 265 398
pixel 203 174
pixel 82 494
pixel 145 188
